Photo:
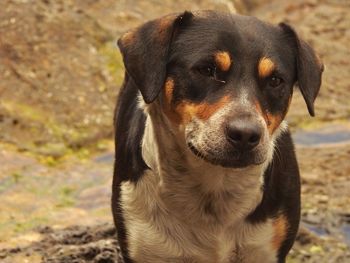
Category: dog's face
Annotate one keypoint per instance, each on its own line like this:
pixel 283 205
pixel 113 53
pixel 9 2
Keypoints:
pixel 225 81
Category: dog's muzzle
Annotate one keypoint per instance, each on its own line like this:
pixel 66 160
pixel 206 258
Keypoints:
pixel 241 142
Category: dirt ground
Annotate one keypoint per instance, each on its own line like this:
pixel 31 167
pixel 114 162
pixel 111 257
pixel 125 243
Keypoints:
pixel 59 76
pixel 53 235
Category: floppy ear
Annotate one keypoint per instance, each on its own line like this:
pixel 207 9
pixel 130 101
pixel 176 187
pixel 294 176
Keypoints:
pixel 309 68
pixel 145 52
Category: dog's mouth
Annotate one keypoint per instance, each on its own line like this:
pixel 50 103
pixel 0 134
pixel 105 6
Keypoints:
pixel 232 159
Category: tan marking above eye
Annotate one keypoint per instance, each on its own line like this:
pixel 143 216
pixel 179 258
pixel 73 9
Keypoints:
pixel 280 227
pixel 223 60
pixel 265 67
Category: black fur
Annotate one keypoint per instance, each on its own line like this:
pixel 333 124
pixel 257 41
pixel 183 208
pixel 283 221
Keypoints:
pixel 309 69
pixel 129 165
pixel 181 50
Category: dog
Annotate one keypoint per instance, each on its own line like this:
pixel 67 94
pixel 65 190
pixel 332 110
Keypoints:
pixel 205 168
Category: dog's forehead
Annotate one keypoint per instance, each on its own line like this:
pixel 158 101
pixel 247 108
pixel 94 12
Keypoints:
pixel 237 34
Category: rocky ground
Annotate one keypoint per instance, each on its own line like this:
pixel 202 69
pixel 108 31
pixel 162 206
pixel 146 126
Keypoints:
pixel 60 75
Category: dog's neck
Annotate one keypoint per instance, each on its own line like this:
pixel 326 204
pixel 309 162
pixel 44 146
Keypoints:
pixel 192 186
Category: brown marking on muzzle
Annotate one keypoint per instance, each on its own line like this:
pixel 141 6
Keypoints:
pixel 275 120
pixel 185 111
pixel 259 109
pixel 272 120
pixel 188 110
pixel 223 60
pixel 262 113
pixel 280 228
pixel 265 67
pixel 205 110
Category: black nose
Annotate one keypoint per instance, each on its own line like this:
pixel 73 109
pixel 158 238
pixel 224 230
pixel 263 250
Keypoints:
pixel 243 135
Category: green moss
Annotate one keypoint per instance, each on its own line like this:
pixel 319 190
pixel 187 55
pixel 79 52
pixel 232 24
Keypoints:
pixel 31 114
pixel 34 114
pixel 66 197
pixel 67 191
pixel 113 61
pixel 24 111
pixel 16 176
pixel 101 212
pixel 64 140
pixel 316 249
pixel 103 144
pixel 20 227
pixel 48 160
pixel 292 260
pixel 6 184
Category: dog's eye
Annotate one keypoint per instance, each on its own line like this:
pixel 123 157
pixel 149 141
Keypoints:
pixel 275 82
pixel 209 71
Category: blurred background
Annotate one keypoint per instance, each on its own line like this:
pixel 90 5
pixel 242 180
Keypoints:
pixel 60 73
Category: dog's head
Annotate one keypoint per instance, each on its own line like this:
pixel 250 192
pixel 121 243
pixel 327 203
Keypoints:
pixel 225 80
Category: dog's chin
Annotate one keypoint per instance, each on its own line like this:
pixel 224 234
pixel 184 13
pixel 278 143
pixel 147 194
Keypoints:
pixel 234 160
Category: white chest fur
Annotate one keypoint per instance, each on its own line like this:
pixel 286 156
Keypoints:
pixel 164 227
